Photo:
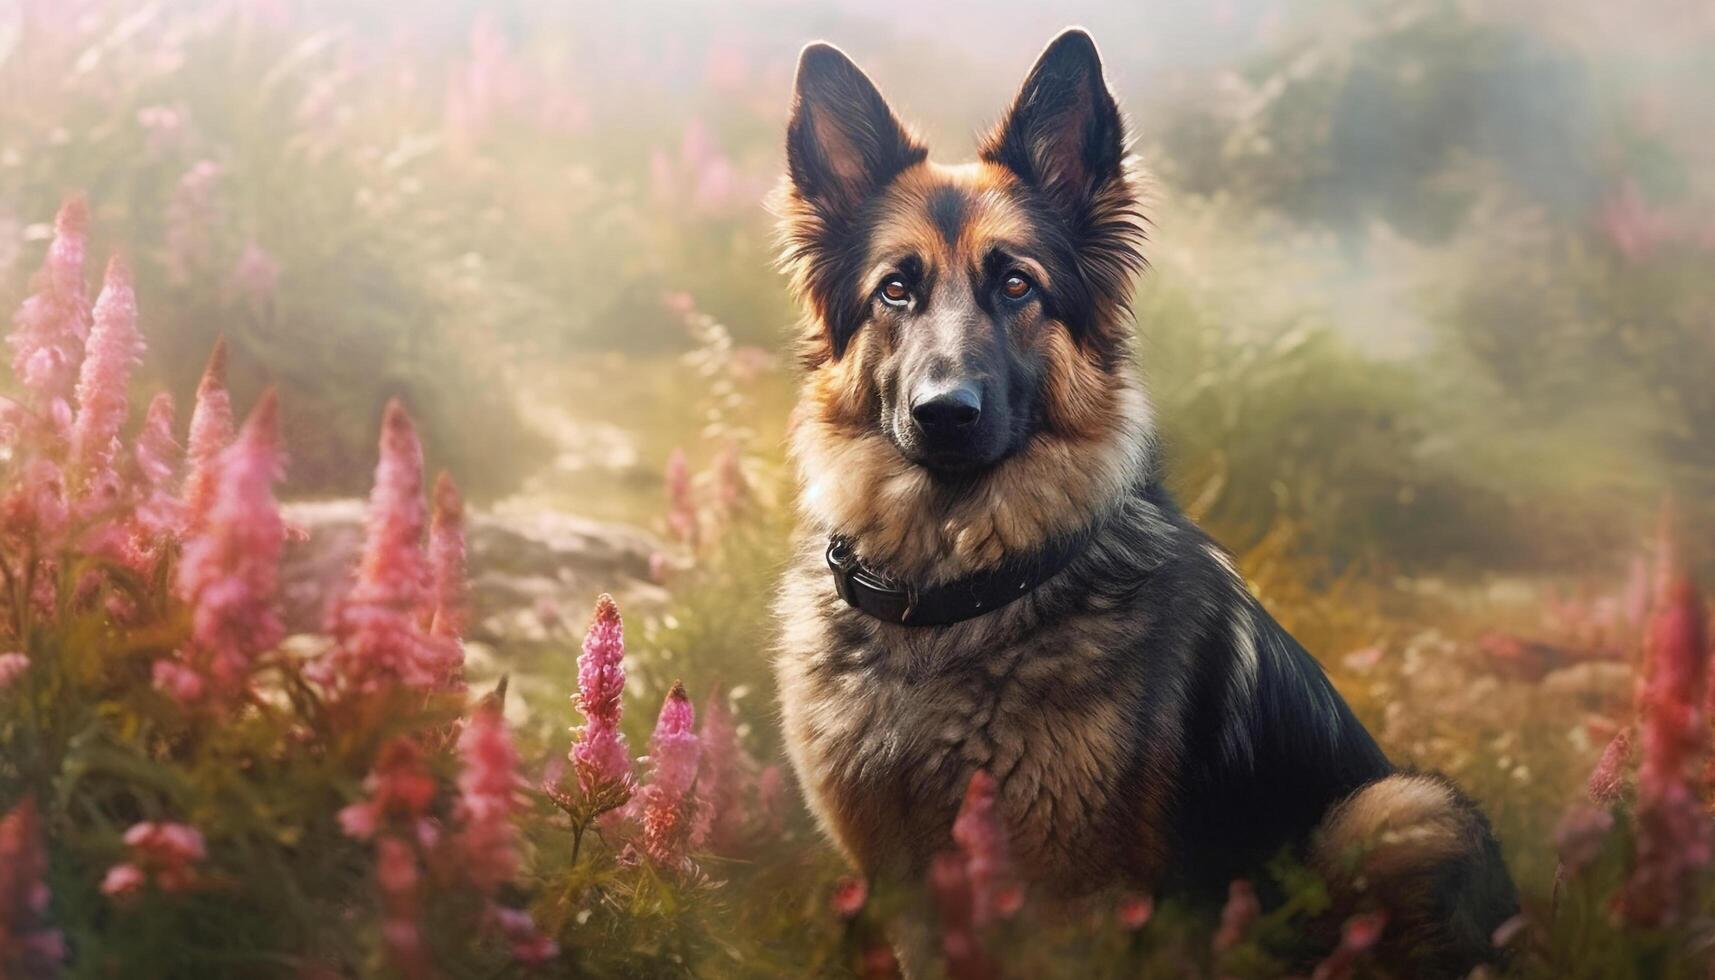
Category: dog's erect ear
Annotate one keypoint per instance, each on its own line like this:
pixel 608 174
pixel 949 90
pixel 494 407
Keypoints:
pixel 843 141
pixel 1063 133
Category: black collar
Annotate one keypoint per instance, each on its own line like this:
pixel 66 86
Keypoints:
pixel 869 591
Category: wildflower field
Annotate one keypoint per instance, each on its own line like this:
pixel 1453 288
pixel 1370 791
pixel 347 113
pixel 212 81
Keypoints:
pixel 391 483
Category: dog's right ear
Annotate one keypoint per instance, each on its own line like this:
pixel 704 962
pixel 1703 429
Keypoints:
pixel 843 142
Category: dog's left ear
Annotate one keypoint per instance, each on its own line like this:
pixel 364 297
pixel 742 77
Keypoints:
pixel 843 141
pixel 1063 133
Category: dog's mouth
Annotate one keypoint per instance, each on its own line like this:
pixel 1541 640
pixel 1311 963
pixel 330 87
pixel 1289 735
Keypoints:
pixel 954 464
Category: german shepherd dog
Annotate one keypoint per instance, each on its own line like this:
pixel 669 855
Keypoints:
pixel 990 576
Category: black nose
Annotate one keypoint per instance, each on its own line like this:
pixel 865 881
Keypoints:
pixel 948 412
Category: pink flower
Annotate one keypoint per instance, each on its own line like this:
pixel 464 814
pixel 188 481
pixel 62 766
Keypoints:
pixel 1134 912
pixel 35 512
pixel 210 433
pixel 159 515
pixel 667 807
pixel 977 830
pixel 49 329
pixel 849 896
pixel 28 948
pixel 447 561
pixel 397 876
pixel 1357 937
pixel 973 883
pixel 178 681
pixel 123 881
pixel 725 782
pixel 164 853
pixel 961 946
pixel 486 800
pixel 732 488
pixel 1672 837
pixel 400 790
pixel 1580 835
pixel 529 944
pixel 1509 930
pixel 230 568
pixel 600 753
pixel 359 821
pixel 392 569
pixel 1608 779
pixel 378 624
pixel 877 962
pixel 190 219
pixel 12 667
pixel 256 275
pixel 1241 910
pixel 164 125
pixel 681 504
pixel 115 347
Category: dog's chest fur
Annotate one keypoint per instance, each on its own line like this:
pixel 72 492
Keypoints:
pixel 888 723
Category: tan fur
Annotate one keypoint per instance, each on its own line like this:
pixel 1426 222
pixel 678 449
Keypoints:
pixel 885 757
pixel 857 484
pixel 1387 847
pixel 854 480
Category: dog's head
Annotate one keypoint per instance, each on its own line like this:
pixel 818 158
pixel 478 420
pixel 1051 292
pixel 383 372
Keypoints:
pixel 967 324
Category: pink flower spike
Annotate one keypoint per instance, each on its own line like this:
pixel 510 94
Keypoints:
pixel 158 514
pixel 977 830
pixel 849 897
pixel 486 804
pixel 529 944
pixel 1579 838
pixel 1608 779
pixel 447 560
pixel 28 948
pixel 601 757
pixel 229 572
pixel 211 432
pixel 1362 932
pixel 400 792
pixel 725 783
pixel 379 624
pixel 392 568
pixel 1673 840
pixel 1509 930
pixel 1241 910
pixel 12 667
pixel 164 853
pixel 674 751
pixel 359 820
pixel 681 504
pixel 1358 936
pixel 115 347
pixel 50 327
pixel 177 681
pixel 397 875
pixel 256 275
pixel 122 881
pixel 1134 912
pixel 601 667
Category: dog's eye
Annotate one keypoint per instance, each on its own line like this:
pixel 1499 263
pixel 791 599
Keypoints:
pixel 1015 286
pixel 894 291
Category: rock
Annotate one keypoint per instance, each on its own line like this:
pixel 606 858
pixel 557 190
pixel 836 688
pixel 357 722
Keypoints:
pixel 524 564
pixel 1595 680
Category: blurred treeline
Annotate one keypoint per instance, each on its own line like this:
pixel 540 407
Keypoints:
pixel 1432 281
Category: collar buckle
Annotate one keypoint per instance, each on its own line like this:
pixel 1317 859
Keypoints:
pixel 860 587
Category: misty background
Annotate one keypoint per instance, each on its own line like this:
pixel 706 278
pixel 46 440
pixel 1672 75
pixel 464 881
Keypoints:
pixel 1431 281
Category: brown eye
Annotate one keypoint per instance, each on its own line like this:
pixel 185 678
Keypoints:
pixel 895 291
pixel 1015 286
